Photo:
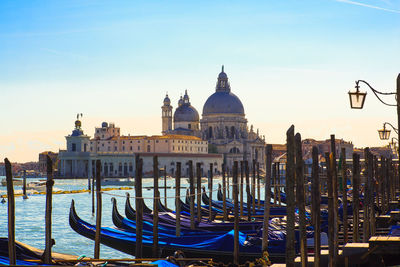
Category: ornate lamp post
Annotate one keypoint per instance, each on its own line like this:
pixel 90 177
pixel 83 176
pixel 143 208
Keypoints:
pixel 357 100
pixel 384 134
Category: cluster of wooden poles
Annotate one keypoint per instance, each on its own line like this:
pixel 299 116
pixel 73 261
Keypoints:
pixel 49 242
pixel 379 190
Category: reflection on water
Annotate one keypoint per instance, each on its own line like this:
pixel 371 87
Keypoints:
pixel 30 215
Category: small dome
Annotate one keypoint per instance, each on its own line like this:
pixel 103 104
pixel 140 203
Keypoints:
pixel 223 103
pixel 186 113
pixel 104 125
pixel 180 102
pixel 77 132
pixel 78 124
pixel 167 101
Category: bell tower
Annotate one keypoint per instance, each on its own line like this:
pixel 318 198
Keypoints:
pixel 166 115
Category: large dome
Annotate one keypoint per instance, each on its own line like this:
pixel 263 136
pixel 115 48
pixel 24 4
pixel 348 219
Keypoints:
pixel 186 113
pixel 223 103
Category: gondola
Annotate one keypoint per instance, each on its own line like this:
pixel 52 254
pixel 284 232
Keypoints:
pixel 168 218
pixel 219 247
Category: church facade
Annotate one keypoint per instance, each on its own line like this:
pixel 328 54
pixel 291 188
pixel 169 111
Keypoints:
pixel 223 124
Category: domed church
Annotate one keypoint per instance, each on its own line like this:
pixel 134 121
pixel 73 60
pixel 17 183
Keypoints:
pixel 223 124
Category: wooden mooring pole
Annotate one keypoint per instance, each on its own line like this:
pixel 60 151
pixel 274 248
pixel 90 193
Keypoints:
pixel 165 186
pixel 49 242
pixel 366 229
pixel 267 196
pixel 191 187
pixel 290 198
pixel 98 211
pixel 177 199
pixel 24 195
pixel 344 195
pixel 210 188
pixel 11 213
pixel 139 207
pixel 335 197
pixel 241 187
pixel 356 203
pixel 198 198
pixel 301 199
pixel 236 214
pixel 316 206
pixel 331 207
pixel 253 188
pixel 246 167
pixel 156 198
pixel 93 178
pixel 224 193
pixel 258 186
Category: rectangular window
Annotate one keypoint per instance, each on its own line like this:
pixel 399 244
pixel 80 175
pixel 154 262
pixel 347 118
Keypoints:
pixel 131 148
pixel 123 148
pixel 115 148
pixel 138 148
pixel 73 148
pixel 109 148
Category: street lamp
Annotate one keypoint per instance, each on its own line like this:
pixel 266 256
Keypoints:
pixel 357 100
pixel 384 134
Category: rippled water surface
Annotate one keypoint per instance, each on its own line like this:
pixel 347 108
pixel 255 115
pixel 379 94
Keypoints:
pixel 30 216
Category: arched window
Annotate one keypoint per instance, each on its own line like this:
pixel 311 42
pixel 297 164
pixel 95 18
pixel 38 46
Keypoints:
pixel 105 169
pixel 148 148
pixel 234 150
pixel 210 133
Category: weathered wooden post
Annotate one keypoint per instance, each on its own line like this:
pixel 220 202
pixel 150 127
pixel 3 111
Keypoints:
pixel 156 198
pixel 278 177
pixel 300 199
pixel 236 214
pixel 49 195
pixel 366 230
pixel 274 183
pixel 316 203
pixel 191 186
pixel 178 198
pixel 267 195
pixel 356 203
pixel 93 178
pixel 98 211
pixel 198 172
pixel 224 193
pixel 227 180
pixel 11 213
pixel 335 196
pixel 24 195
pixel 371 190
pixel 139 207
pixel 344 196
pixel 210 187
pixel 258 186
pixel 290 198
pixel 241 188
pixel 331 207
pixel 253 188
pixel 165 186
pixel 246 167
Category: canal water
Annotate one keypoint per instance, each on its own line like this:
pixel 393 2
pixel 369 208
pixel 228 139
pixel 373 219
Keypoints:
pixel 30 214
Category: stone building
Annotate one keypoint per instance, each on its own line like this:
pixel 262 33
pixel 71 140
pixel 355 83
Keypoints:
pixel 224 126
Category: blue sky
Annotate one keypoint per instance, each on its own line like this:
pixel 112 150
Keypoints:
pixel 290 62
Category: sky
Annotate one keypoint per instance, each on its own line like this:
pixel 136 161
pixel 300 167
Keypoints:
pixel 289 61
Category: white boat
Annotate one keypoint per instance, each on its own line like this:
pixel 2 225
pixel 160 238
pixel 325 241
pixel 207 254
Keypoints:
pixel 39 186
pixel 16 182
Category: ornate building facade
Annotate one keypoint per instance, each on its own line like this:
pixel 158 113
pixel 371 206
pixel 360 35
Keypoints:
pixel 223 124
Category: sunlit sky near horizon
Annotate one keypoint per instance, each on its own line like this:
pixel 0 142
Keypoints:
pixel 289 61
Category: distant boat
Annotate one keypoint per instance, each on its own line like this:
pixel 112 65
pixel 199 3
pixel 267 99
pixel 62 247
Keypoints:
pixel 203 180
pixel 16 182
pixel 39 186
pixel 118 182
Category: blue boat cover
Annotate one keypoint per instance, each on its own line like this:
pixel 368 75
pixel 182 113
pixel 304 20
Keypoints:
pixel 164 263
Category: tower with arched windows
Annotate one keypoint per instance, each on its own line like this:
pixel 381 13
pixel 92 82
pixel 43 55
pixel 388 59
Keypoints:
pixel 166 110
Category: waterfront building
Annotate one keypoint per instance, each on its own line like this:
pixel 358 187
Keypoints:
pixel 117 153
pixel 43 161
pixel 223 124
